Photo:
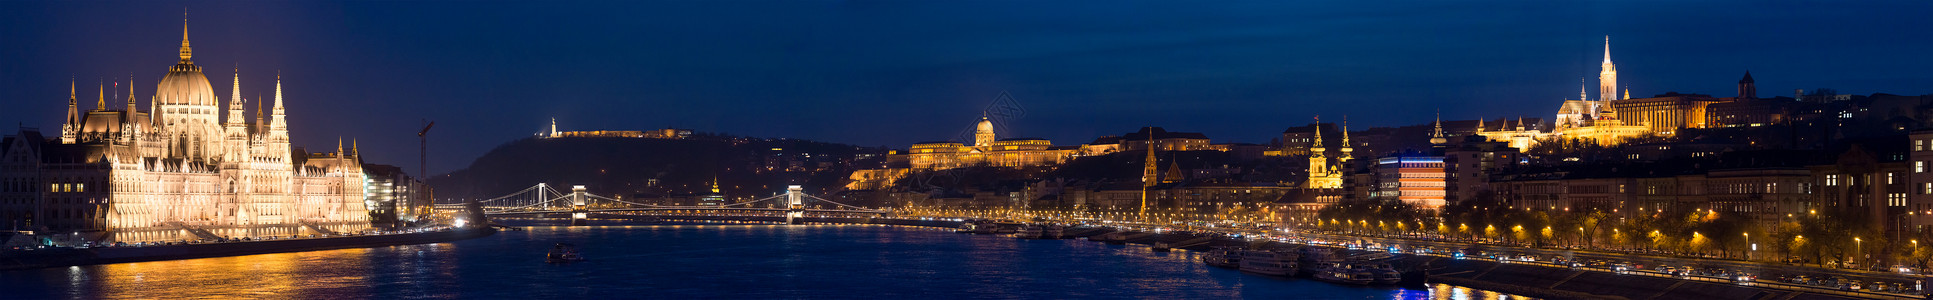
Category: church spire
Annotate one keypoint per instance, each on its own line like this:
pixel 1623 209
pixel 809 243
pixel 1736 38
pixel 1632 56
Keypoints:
pixel 1315 145
pixel 1607 49
pixel 1437 138
pixel 278 128
pixel 1583 89
pixel 130 108
pixel 1607 76
pixel 185 51
pixel 259 126
pixel 71 129
pixel 101 90
pixel 235 100
pixel 1346 150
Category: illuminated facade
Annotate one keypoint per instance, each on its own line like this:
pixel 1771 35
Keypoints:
pixel 178 171
pixel 987 150
pixel 1323 175
pixel 1414 180
pixel 667 133
pixel 1598 120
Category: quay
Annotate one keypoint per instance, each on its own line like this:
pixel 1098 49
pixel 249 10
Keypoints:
pixel 1542 279
pixel 66 256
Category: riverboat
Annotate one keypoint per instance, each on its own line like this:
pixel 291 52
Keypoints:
pixel 563 253
pixel 1223 257
pixel 1266 262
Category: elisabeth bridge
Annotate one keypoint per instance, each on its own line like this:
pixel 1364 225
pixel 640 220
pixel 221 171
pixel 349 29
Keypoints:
pixel 541 201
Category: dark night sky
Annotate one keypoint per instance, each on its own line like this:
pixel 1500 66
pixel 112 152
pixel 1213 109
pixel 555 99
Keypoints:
pixel 895 72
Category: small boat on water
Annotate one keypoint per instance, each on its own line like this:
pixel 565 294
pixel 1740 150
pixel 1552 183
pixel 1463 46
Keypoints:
pixel 563 253
pixel 1223 257
pixel 1384 274
pixel 1040 232
pixel 1266 262
pixel 1343 273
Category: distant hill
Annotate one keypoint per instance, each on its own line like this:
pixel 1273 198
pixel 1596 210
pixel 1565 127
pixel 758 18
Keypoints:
pixel 648 168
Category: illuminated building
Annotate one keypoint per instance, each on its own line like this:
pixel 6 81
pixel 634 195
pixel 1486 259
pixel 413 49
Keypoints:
pixel 1607 76
pixel 1413 179
pixel 1603 120
pixel 1163 140
pixel 667 133
pixel 1665 114
pixel 1522 135
pixel 178 171
pixel 1323 175
pixel 987 150
pixel 394 196
pixel 1470 163
pixel 1747 110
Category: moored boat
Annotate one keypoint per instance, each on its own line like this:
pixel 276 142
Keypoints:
pixel 1345 274
pixel 1223 257
pixel 1266 262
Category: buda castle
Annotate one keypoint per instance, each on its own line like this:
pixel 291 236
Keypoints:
pixel 180 170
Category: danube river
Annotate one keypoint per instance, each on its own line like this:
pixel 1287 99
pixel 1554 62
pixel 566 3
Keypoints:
pixel 702 261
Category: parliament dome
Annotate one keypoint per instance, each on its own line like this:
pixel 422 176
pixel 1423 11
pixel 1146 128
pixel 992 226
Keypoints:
pixel 184 84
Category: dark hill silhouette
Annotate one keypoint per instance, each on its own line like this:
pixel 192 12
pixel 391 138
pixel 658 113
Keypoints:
pixel 651 168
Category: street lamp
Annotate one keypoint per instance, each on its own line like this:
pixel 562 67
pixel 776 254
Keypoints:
pixel 1860 247
pixel 1748 240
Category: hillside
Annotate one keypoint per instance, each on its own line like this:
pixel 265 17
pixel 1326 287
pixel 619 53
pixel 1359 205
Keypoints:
pixel 652 168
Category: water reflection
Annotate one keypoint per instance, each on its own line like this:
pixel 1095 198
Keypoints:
pixel 708 261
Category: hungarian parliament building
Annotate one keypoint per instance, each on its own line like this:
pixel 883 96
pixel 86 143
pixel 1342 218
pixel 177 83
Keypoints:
pixel 180 170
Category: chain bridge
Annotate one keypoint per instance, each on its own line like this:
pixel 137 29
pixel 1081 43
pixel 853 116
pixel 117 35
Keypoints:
pixel 543 201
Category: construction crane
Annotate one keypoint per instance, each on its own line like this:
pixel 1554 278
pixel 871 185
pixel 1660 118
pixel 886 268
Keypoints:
pixel 424 160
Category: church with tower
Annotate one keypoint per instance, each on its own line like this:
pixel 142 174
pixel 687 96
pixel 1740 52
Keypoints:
pixel 187 168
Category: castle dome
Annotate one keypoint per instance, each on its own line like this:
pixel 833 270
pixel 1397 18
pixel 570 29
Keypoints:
pixel 985 125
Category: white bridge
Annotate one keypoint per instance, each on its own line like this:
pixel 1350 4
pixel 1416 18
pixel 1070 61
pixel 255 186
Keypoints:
pixel 542 200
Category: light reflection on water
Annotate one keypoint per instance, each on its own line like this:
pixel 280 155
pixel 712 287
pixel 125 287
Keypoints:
pixel 704 261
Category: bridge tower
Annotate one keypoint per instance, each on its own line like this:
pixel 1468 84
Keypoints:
pixel 794 203
pixel 579 213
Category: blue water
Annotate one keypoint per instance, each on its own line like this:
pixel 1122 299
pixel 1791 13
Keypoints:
pixel 702 261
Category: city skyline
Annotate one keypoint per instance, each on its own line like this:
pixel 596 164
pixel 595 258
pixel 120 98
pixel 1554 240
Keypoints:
pixel 505 78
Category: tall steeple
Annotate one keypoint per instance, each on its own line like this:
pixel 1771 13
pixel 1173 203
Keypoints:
pixel 130 130
pixel 1437 138
pixel 235 100
pixel 236 128
pixel 186 52
pixel 70 131
pixel 1747 88
pixel 101 88
pixel 1607 76
pixel 278 128
pixel 1479 124
pixel 1583 89
pixel 1321 174
pixel 1347 151
pixel 130 107
pixel 259 127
